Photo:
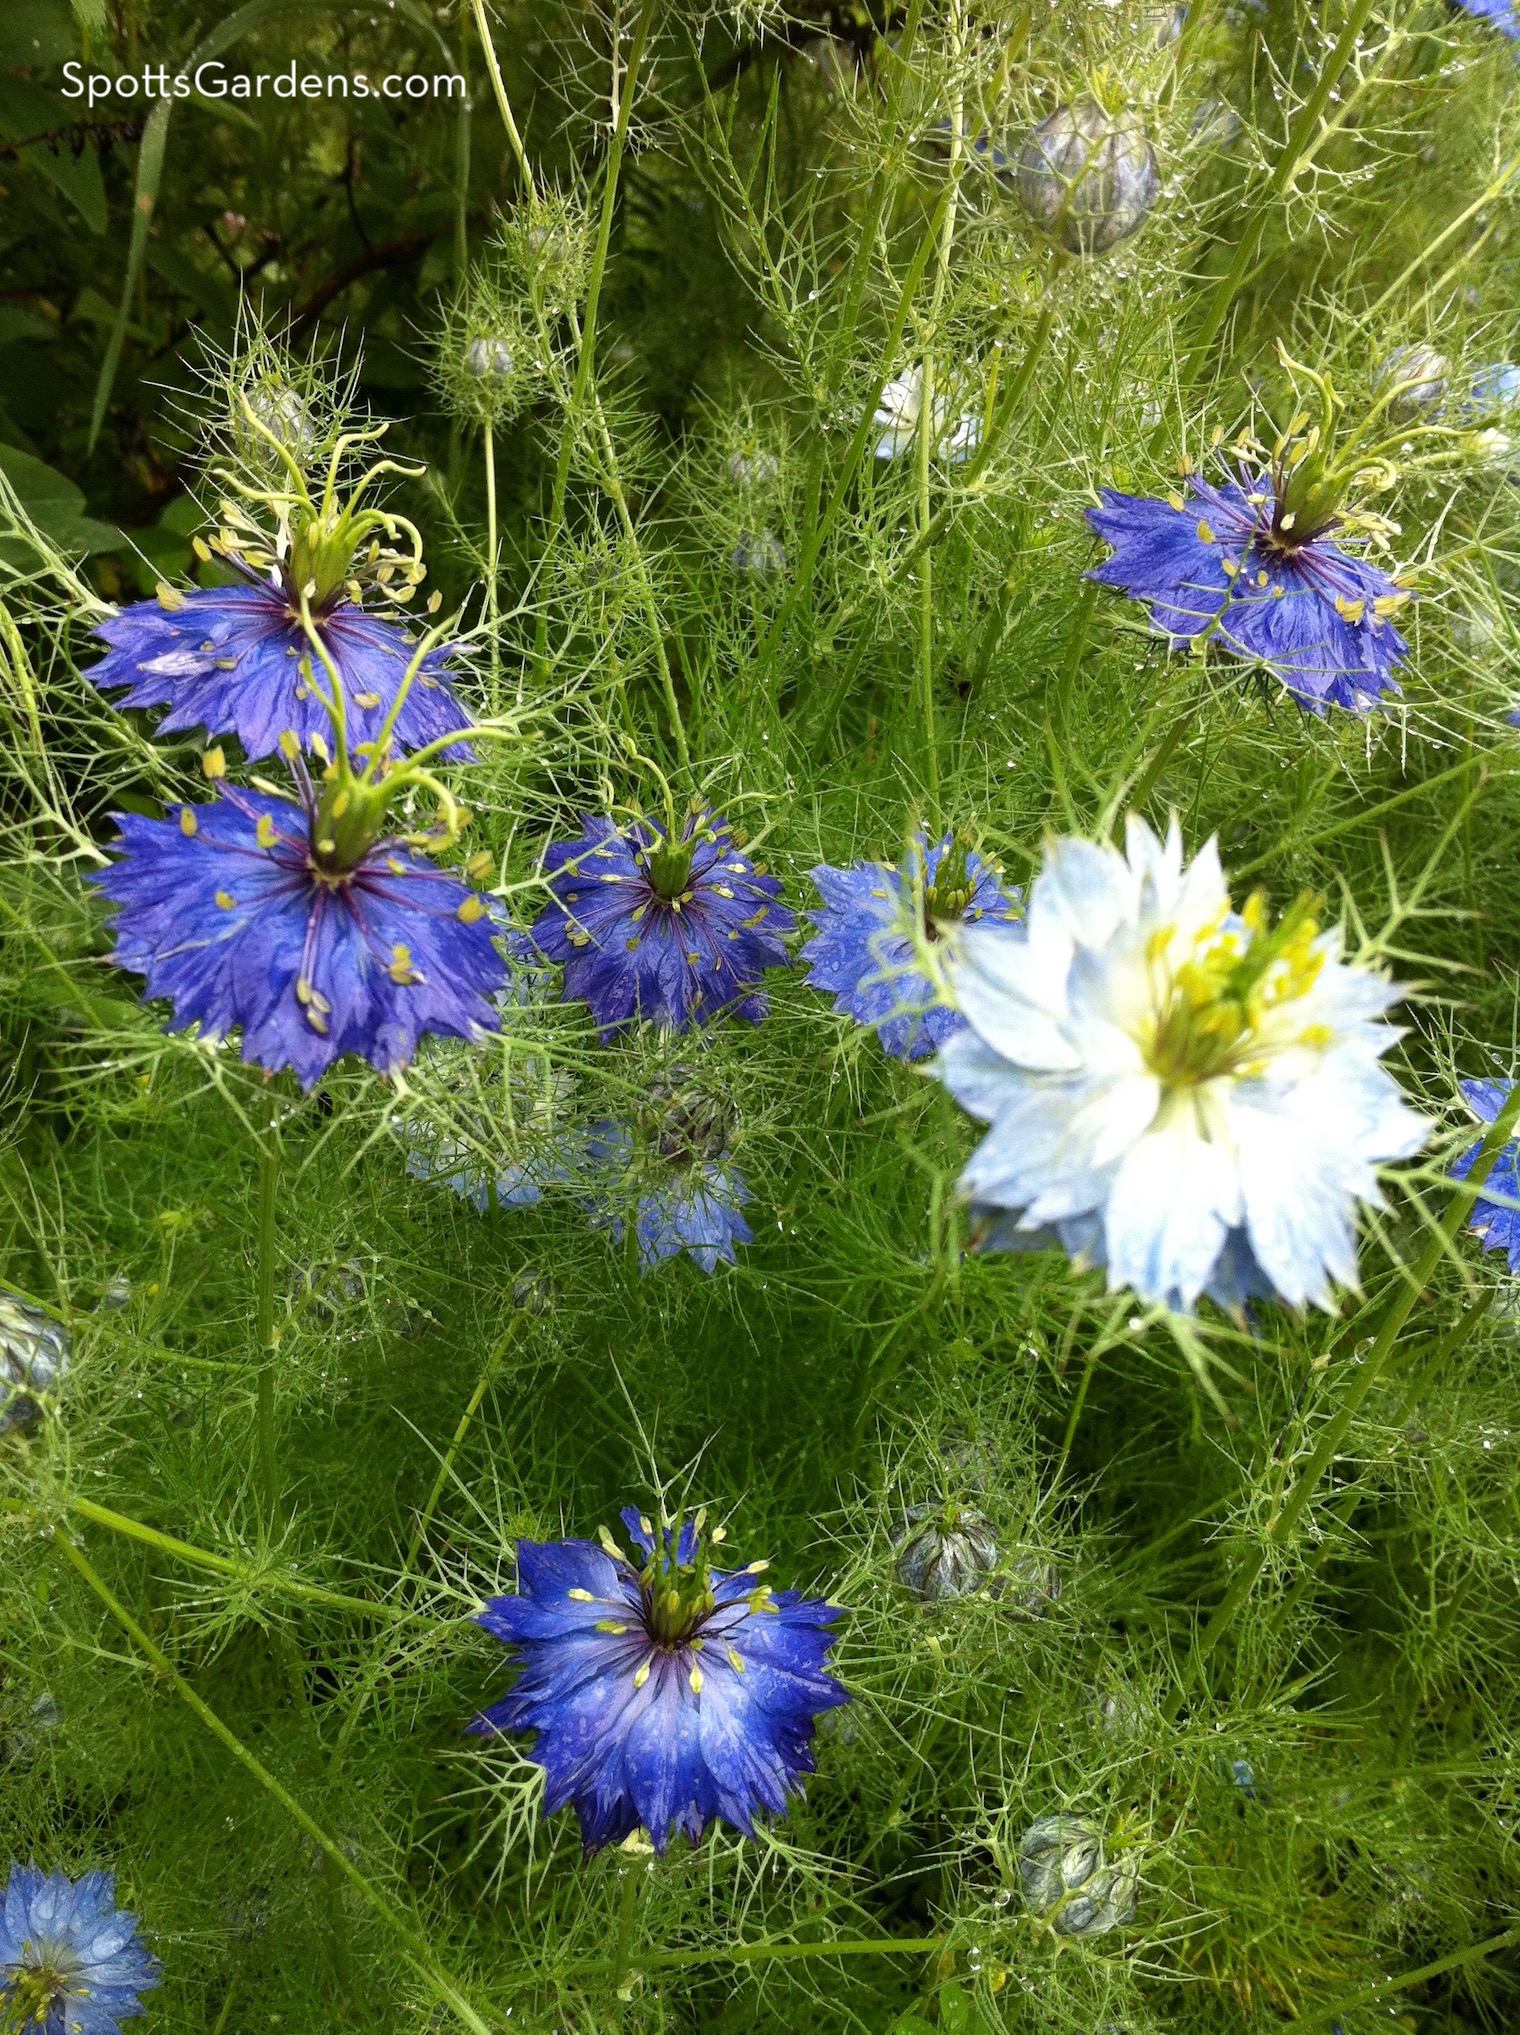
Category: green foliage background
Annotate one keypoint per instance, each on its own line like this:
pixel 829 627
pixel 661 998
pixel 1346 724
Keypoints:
pixel 778 244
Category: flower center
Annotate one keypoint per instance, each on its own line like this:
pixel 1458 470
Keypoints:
pixel 348 820
pixel 1213 1009
pixel 26 1999
pixel 946 898
pixel 669 866
pixel 678 1596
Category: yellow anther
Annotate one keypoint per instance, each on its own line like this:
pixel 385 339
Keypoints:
pixel 480 866
pixel 290 745
pixel 1349 611
pixel 470 910
pixel 695 1678
pixel 170 597
pixel 264 832
pixel 214 764
pixel 1176 501
pixel 641 1676
pixel 188 824
pixel 1205 534
pixel 226 901
pixel 320 750
pixel 580 1596
pixel 202 549
pixel 735 1661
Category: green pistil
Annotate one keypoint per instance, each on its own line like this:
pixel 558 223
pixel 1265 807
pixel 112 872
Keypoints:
pixel 946 898
pixel 677 1595
pixel 349 819
pixel 1223 993
pixel 28 1998
pixel 669 866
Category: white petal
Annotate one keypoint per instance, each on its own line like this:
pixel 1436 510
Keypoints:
pixel 1173 1200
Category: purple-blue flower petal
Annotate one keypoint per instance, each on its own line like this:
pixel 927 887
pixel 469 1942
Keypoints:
pixel 1309 612
pixel 631 954
pixel 229 659
pixel 226 929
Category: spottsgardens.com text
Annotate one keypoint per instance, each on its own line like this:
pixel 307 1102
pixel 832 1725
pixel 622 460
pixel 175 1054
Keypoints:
pixel 211 80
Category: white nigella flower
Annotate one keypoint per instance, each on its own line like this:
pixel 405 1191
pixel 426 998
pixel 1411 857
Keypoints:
pixel 897 415
pixel 1175 1091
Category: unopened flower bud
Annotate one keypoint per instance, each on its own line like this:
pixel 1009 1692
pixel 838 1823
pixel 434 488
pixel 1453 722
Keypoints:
pixel 34 1357
pixel 1419 375
pixel 1088 177
pixel 759 555
pixel 488 358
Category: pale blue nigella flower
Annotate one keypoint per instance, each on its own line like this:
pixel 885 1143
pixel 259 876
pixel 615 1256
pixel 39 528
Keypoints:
pixel 70 1961
pixel 1176 1092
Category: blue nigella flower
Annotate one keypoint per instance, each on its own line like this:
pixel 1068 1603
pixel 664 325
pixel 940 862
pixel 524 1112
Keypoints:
pixel 1496 1225
pixel 238 914
pixel 1499 14
pixel 235 660
pixel 864 950
pixel 70 1961
pixel 1220 562
pixel 684 1193
pixel 664 1692
pixel 673 928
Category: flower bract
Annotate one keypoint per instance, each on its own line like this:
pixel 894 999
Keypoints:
pixel 673 928
pixel 1218 562
pixel 1492 1221
pixel 228 912
pixel 235 660
pixel 1175 1091
pixel 71 1962
pixel 865 951
pixel 664 1692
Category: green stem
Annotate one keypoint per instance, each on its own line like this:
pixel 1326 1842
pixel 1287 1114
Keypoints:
pixel 812 547
pixel 627 1896
pixel 493 568
pixel 445 1468
pixel 239 1572
pixel 587 356
pixel 498 86
pixel 1283 1522
pixel 926 601
pixel 1282 178
pixel 764 1953
pixel 417 1949
pixel 269 1183
pixel 1369 1996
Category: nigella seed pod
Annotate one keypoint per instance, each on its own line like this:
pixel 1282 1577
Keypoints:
pixel 751 466
pixel 1417 377
pixel 1088 177
pixel 1068 1881
pixel 34 1357
pixel 1030 1586
pixel 759 554
pixel 283 412
pixel 488 358
pixel 946 1551
pixel 687 1123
